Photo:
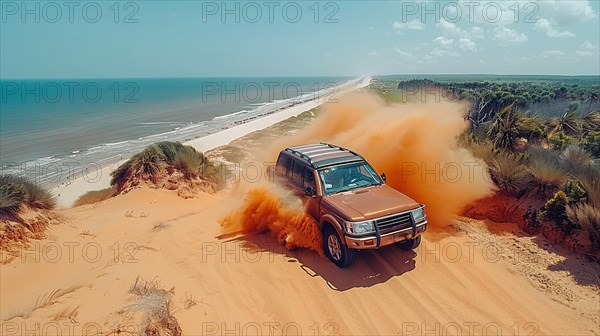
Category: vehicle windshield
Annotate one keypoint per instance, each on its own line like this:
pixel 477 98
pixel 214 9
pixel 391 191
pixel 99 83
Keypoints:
pixel 348 177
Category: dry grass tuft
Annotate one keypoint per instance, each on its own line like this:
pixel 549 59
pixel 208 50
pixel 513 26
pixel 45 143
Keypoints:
pixel 95 196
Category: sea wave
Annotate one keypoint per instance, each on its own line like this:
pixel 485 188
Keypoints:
pixel 111 152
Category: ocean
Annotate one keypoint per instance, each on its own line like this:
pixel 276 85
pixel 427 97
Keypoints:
pixel 50 129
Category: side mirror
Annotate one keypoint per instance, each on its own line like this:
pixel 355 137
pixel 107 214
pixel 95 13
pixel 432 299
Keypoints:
pixel 383 177
pixel 310 191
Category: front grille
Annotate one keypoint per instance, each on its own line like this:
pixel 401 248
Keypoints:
pixel 395 222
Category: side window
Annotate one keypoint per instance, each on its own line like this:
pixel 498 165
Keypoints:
pixel 297 174
pixel 365 173
pixel 309 178
pixel 282 165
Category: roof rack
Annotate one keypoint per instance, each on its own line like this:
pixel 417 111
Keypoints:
pixel 342 148
pixel 304 156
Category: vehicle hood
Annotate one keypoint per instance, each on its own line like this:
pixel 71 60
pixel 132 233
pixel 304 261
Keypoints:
pixel 369 203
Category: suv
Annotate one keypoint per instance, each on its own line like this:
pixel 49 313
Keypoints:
pixel 351 203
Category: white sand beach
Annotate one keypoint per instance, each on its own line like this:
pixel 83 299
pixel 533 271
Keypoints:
pixel 67 194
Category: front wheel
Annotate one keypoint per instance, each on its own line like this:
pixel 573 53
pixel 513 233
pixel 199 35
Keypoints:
pixel 335 250
pixel 409 244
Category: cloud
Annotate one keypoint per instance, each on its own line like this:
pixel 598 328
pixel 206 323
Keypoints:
pixel 548 28
pixel 413 24
pixel 327 54
pixel 454 37
pixel 466 45
pixel 588 49
pixel 373 53
pixel 444 52
pixel 589 46
pixel 561 12
pixel 403 53
pixel 584 53
pixel 463 38
pixel 443 42
pixel 507 36
pixel 445 47
pixel 477 32
pixel 451 29
pixel 552 53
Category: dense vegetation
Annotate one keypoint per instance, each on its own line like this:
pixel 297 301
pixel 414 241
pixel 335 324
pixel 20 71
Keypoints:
pixel 540 139
pixel 540 98
pixel 17 192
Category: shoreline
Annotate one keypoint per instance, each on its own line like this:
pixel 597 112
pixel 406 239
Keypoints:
pixel 67 194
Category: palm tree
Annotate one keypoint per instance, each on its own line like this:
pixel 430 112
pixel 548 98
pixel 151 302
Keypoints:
pixel 591 121
pixel 570 123
pixel 505 130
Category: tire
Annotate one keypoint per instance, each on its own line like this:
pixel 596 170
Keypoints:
pixel 341 256
pixel 409 244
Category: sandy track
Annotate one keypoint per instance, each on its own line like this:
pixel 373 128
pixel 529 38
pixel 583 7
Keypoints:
pixel 250 285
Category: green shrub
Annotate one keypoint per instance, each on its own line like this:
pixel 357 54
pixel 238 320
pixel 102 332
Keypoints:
pixel 166 156
pixel 574 191
pixel 148 162
pixel 15 191
pixel 170 149
pixel 531 127
pixel 11 198
pixel 591 143
pixel 560 140
pixel 188 161
pixel 556 207
pixel 38 197
pixel 555 210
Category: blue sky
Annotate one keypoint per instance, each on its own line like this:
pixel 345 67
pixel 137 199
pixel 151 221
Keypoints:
pixel 193 39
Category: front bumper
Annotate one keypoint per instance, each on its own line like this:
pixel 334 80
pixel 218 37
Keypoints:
pixel 377 240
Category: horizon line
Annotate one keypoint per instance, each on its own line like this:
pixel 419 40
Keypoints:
pixel 307 76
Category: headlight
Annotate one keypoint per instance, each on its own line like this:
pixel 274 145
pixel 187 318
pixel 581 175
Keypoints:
pixel 419 214
pixel 360 227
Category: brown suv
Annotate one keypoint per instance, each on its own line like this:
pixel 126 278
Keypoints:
pixel 354 207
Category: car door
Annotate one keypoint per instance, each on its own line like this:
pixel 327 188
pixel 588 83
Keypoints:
pixel 311 202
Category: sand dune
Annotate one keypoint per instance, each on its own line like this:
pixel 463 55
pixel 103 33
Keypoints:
pixel 247 283
pixel 149 255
